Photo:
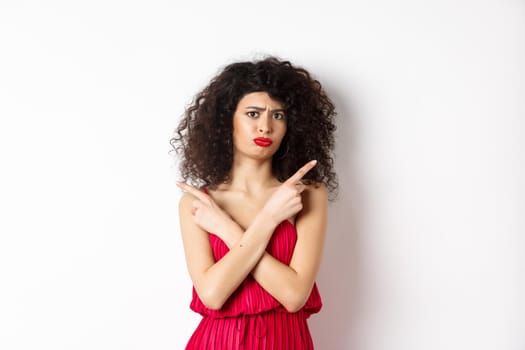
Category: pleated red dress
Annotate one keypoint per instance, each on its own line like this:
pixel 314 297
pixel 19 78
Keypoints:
pixel 251 318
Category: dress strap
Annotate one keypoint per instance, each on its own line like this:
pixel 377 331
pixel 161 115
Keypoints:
pixel 205 190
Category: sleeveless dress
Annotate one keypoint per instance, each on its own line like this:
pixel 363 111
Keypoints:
pixel 251 318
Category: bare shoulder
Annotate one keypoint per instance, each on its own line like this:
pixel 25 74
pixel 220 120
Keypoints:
pixel 315 199
pixel 188 226
pixel 190 195
pixel 312 219
pixel 317 191
pixel 186 206
pixel 185 200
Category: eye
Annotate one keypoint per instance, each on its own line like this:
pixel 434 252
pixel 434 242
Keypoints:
pixel 252 114
pixel 278 116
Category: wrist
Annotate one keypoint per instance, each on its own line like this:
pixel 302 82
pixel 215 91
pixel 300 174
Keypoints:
pixel 266 216
pixel 231 232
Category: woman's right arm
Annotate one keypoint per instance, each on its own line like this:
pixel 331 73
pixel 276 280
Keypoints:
pixel 216 281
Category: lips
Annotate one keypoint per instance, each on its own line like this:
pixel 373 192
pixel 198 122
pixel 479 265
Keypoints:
pixel 262 141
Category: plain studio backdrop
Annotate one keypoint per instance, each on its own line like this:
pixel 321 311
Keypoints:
pixel 425 246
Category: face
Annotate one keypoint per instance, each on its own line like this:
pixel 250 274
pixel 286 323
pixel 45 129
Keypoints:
pixel 259 125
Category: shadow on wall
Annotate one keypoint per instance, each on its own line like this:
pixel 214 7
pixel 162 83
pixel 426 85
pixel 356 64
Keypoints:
pixel 338 278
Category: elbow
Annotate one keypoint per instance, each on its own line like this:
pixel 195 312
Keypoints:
pixel 293 307
pixel 211 300
pixel 212 304
pixel 296 297
pixel 294 302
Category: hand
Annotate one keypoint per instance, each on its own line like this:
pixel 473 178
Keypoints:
pixel 206 213
pixel 285 202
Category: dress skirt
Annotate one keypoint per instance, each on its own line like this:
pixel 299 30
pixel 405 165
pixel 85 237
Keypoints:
pixel 272 330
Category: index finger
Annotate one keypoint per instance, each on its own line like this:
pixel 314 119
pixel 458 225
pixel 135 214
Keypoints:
pixel 301 172
pixel 197 193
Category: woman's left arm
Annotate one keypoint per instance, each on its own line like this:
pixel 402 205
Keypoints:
pixel 292 284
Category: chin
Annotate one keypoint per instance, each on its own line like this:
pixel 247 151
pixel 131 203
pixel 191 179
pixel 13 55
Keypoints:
pixel 262 155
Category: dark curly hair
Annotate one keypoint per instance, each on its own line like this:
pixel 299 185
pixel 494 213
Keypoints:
pixel 207 155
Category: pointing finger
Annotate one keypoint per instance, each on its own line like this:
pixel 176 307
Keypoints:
pixel 300 187
pixel 302 172
pixel 197 193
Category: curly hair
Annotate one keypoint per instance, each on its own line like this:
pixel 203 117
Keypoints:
pixel 207 155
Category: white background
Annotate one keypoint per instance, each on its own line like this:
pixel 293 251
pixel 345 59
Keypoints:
pixel 425 244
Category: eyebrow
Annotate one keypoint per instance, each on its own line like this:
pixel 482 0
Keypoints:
pixel 262 109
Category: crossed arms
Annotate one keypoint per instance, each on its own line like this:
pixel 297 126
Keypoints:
pixel 289 284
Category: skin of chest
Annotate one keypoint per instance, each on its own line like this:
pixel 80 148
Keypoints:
pixel 241 207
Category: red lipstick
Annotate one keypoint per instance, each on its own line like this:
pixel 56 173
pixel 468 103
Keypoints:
pixel 262 141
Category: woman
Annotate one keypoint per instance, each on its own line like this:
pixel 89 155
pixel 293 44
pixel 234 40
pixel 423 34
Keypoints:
pixel 257 146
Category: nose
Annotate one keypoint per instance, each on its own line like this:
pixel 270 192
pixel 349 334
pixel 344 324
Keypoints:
pixel 264 125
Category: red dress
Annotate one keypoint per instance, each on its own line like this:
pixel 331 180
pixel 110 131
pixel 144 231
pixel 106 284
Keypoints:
pixel 251 318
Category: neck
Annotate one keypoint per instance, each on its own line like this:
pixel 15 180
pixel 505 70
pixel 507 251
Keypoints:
pixel 251 175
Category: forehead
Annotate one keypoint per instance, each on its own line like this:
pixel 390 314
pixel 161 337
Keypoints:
pixel 259 99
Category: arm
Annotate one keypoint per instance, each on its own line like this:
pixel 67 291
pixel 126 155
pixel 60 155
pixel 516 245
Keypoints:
pixel 291 285
pixel 216 281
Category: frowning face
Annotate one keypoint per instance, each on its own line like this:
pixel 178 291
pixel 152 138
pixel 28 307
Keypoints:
pixel 259 125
